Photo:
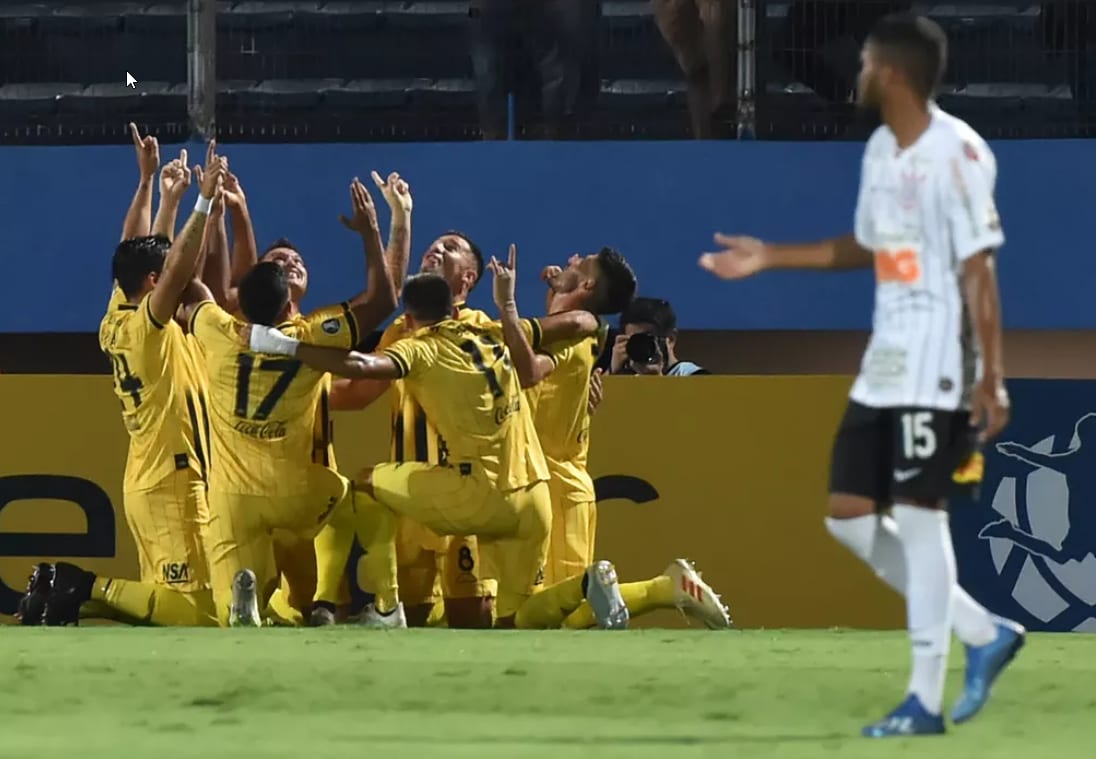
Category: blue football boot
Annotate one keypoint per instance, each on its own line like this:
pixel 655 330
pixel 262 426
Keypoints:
pixel 910 718
pixel 984 665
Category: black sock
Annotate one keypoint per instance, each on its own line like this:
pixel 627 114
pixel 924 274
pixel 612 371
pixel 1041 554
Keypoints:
pixel 585 584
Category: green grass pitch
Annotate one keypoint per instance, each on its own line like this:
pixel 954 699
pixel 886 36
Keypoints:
pixel 116 692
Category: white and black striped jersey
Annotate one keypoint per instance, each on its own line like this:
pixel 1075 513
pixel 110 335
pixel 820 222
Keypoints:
pixel 924 211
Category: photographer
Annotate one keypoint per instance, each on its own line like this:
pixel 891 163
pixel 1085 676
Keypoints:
pixel 646 345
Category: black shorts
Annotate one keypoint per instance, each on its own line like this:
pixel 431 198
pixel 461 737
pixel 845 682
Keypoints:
pixel 901 454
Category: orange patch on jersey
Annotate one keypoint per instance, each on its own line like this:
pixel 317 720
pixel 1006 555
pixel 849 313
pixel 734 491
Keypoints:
pixel 899 266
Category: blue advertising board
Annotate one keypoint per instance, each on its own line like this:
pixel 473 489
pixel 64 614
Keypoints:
pixel 659 203
pixel 1026 548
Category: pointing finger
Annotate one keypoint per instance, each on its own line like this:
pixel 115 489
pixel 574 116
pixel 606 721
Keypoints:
pixel 377 180
pixel 513 256
pixel 211 151
pixel 182 157
pixel 135 135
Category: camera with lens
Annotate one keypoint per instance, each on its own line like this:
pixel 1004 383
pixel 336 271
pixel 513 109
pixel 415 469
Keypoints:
pixel 647 349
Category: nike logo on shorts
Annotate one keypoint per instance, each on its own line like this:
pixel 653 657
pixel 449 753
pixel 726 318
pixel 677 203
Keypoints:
pixel 904 475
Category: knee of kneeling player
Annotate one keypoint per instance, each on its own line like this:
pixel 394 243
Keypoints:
pixel 470 613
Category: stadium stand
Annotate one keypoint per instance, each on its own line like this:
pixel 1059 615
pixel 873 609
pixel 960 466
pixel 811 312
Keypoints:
pixel 401 70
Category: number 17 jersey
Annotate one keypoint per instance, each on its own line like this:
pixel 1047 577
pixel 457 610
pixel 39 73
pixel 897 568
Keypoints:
pixel 263 408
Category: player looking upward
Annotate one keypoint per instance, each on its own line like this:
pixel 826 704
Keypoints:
pixel 493 476
pixel 558 389
pixel 262 414
pixel 295 556
pixel 163 408
pixel 431 566
pixel 926 220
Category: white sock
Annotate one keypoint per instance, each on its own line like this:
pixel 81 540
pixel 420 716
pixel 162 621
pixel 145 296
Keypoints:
pixel 972 623
pixel 926 542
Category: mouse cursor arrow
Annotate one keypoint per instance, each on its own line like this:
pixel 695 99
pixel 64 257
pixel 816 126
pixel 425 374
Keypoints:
pixel 130 81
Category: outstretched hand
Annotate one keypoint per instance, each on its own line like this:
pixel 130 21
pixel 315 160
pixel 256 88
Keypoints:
pixel 738 257
pixel 363 219
pixel 505 278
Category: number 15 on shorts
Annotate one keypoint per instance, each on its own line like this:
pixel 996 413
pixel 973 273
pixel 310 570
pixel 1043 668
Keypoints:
pixel 918 436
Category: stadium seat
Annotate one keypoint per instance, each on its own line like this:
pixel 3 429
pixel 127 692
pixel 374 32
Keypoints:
pixel 117 98
pixel 35 99
pixel 286 93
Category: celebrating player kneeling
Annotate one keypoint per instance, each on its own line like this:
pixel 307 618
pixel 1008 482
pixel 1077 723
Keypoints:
pixel 926 220
pixel 492 481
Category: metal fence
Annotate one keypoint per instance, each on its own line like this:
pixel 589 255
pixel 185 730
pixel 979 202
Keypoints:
pixel 324 70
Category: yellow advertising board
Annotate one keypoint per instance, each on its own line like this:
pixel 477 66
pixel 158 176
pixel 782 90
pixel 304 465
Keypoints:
pixel 728 471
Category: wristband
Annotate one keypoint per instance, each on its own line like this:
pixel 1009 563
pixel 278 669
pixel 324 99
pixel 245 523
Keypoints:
pixel 270 340
pixel 203 205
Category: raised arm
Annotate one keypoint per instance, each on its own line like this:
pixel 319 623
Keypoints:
pixel 377 302
pixel 182 260
pixel 245 252
pixel 139 216
pixel 174 183
pixel 741 257
pixel 262 339
pixel 215 273
pixel 397 193
pixel 530 366
pixel 356 394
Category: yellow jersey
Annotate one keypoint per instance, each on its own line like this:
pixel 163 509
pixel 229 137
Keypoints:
pixel 461 376
pixel 263 409
pixel 157 383
pixel 414 438
pixel 560 408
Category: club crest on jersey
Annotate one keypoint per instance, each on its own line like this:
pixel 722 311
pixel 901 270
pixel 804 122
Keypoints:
pixel 970 152
pixel 331 326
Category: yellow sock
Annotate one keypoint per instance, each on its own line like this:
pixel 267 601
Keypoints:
pixel 436 617
pixel 333 550
pixel 376 528
pixel 282 612
pixel 149 604
pixel 639 597
pixel 547 609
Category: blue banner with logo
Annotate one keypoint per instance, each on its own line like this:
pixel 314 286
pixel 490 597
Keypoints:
pixel 1026 548
pixel 658 203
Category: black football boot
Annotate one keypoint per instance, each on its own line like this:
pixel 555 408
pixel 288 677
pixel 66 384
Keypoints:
pixel 71 589
pixel 32 606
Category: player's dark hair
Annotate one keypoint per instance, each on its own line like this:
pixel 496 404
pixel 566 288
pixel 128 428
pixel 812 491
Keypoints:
pixel 263 293
pixel 476 253
pixel 916 45
pixel 654 311
pixel 427 298
pixel 281 242
pixel 617 283
pixel 136 258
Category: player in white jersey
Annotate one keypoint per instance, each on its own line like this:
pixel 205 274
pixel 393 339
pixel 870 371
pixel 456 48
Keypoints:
pixel 929 391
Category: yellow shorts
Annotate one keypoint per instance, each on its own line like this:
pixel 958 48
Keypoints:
pixel 241 532
pixel 574 529
pixel 512 528
pixel 167 524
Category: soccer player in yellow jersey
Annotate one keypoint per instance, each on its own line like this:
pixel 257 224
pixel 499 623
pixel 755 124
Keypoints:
pixel 431 566
pixel 558 378
pixel 262 412
pixel 492 480
pixel 163 409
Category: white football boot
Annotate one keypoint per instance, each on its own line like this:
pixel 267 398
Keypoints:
pixel 374 620
pixel 603 593
pixel 695 598
pixel 244 611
